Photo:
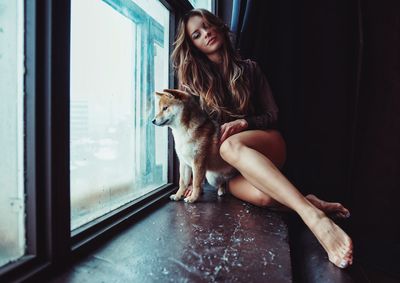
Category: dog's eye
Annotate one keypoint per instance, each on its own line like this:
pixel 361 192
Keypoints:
pixel 165 108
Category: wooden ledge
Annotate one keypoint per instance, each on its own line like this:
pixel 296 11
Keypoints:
pixel 214 239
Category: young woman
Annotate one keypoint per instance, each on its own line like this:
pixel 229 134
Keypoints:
pixel 236 94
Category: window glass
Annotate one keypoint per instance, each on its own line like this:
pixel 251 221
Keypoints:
pixel 12 207
pixel 119 57
pixel 205 4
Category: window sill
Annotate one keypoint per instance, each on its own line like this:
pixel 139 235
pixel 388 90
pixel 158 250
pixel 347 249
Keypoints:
pixel 83 236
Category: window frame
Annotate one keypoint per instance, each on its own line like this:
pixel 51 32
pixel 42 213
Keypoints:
pixel 50 244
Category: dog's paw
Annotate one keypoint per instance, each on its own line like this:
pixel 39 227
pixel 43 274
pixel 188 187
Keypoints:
pixel 221 192
pixel 190 199
pixel 174 197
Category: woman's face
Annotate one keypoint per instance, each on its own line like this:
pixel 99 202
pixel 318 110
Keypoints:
pixel 206 38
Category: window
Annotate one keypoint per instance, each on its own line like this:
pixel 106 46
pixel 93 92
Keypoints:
pixel 79 153
pixel 205 4
pixel 119 57
pixel 12 205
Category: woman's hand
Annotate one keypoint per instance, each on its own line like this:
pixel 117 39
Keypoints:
pixel 231 128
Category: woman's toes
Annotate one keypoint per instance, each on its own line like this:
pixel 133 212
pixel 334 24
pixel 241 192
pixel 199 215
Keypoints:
pixel 340 262
pixel 343 263
pixel 337 261
pixel 339 211
pixel 336 242
pixel 343 214
pixel 349 255
pixel 346 255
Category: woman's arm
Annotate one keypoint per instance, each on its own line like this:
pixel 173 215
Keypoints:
pixel 264 121
pixel 233 127
pixel 265 112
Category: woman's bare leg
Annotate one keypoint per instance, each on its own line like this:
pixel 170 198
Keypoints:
pixel 242 189
pixel 252 152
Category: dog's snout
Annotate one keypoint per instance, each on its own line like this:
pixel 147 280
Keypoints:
pixel 154 121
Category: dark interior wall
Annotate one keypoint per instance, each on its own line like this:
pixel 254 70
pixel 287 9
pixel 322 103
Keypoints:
pixel 334 68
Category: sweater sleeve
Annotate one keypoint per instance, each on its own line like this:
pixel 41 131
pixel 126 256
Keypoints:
pixel 265 111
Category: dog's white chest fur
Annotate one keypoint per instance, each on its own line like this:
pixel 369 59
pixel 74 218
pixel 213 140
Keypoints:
pixel 185 146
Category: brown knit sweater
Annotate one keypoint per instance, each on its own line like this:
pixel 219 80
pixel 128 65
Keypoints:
pixel 263 111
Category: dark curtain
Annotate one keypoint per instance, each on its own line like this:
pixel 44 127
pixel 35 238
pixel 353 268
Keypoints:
pixel 269 39
pixel 334 68
pixel 375 182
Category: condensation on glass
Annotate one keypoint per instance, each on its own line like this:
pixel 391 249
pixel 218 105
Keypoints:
pixel 119 57
pixel 12 207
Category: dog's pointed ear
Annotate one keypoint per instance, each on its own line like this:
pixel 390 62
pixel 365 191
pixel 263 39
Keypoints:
pixel 178 94
pixel 159 93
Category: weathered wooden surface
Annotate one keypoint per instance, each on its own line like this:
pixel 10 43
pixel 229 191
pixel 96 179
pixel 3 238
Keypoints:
pixel 214 239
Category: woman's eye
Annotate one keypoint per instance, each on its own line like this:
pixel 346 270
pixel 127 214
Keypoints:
pixel 196 35
pixel 165 108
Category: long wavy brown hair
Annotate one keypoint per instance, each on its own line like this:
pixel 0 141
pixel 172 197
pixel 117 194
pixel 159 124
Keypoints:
pixel 223 90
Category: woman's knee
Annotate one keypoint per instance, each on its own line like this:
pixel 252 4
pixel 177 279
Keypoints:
pixel 230 149
pixel 263 200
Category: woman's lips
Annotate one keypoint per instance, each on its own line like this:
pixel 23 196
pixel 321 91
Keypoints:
pixel 211 41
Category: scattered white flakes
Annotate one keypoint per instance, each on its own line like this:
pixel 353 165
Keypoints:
pixel 265 262
pixel 272 255
pixel 217 268
pixel 249 239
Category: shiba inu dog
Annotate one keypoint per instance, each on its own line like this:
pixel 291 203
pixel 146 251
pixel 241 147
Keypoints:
pixel 196 143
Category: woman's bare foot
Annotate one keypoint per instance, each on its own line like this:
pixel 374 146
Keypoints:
pixel 333 239
pixel 333 209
